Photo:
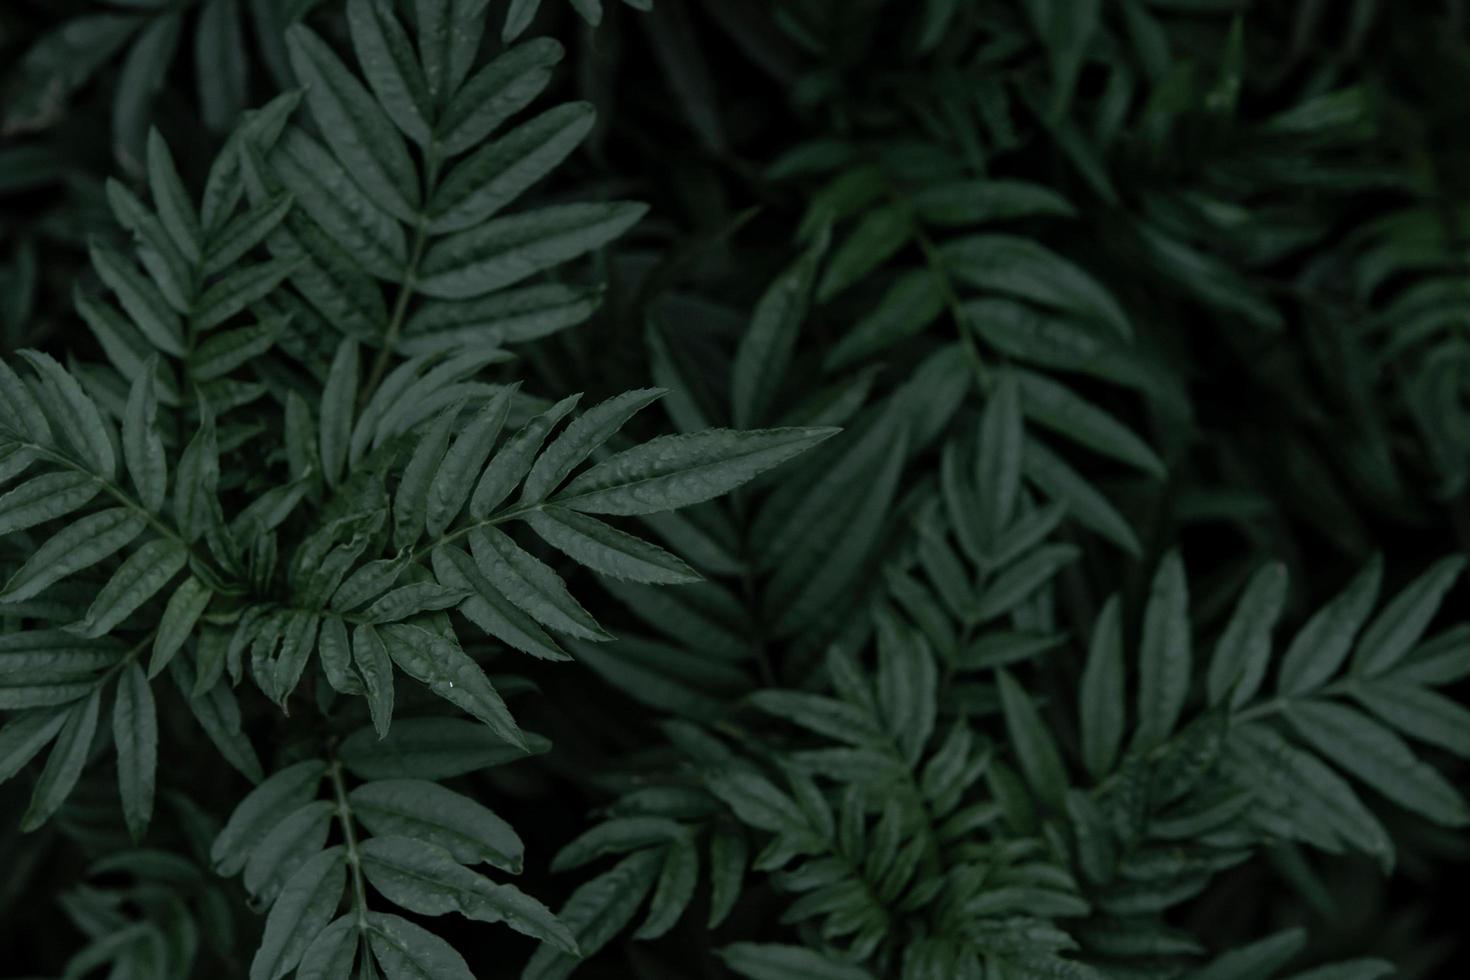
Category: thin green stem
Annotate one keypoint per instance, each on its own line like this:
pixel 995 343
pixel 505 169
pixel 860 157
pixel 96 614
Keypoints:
pixel 127 658
pixel 408 283
pixel 935 260
pixel 1280 703
pixel 509 514
pixel 349 836
pixel 400 309
pixel 940 268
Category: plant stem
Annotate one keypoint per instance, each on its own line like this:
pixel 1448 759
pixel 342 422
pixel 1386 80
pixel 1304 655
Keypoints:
pixel 409 281
pixel 400 309
pixel 349 836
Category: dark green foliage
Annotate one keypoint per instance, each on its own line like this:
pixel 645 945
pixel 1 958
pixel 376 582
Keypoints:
pixel 792 490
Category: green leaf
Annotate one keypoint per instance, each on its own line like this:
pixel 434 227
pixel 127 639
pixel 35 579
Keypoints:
pixel 450 673
pixel 195 506
pixel 1101 696
pixel 620 835
pixel 455 477
pixel 1096 850
pixel 387 59
pixel 1418 713
pixel 678 470
pixel 142 445
pixel 728 856
pixel 1083 501
pixel 1319 805
pixel 1055 406
pixel 244 232
pixel 880 233
pixel 1015 584
pixel 124 345
pixel 1395 630
pixel 770 961
pixel 93 440
pixel 906 684
pixel 375 667
pixel 1321 646
pixel 675 889
pixel 495 175
pixel 980 201
pixel 820 546
pixel 591 10
pixel 145 572
pixel 218 713
pixel 65 763
pixel 518 18
pixel 410 600
pixel 758 803
pixel 138 82
pixel 25 734
pixel 19 408
pixel 411 502
pixel 220 64
pixel 1035 749
pixel 429 748
pixel 184 608
pixel 1025 269
pixel 1164 654
pixel 407 952
pixel 530 585
pixel 222 353
pixel 508 317
pixel 1262 958
pixel 513 461
pixel 489 609
pixel 175 208
pixel 15 460
pixel 596 912
pixel 141 300
pixel 291 843
pixel 334 650
pixel 171 273
pixel 505 86
pixel 354 125
pixel 339 397
pixel 77 546
pixel 297 642
pixel 428 812
pixel 238 290
pixel 585 433
pixel 45 498
pixel 307 903
pixel 1379 758
pixel 998 462
pixel 424 878
pixel 322 189
pixel 1243 651
pixel 504 251
pixel 607 550
pixel 260 811
pixel 663 677
pixel 331 953
pixel 369 581
pixel 224 185
pixel 1066 31
pixel 912 303
pixel 768 342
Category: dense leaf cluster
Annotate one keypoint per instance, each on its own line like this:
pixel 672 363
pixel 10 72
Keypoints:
pixel 811 490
